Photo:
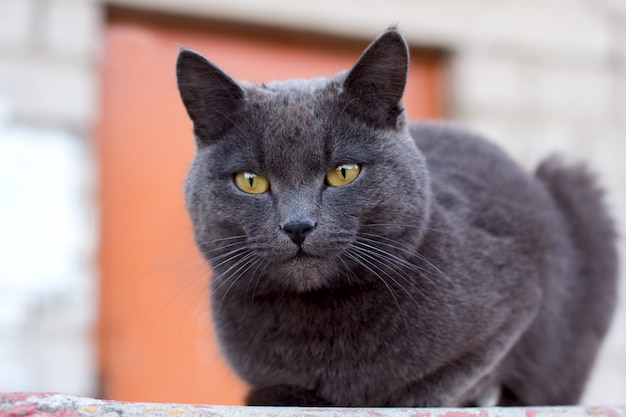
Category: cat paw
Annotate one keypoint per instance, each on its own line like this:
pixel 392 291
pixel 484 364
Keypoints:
pixel 285 395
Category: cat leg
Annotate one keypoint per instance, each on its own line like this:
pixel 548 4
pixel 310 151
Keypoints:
pixel 489 397
pixel 285 395
pixel 473 376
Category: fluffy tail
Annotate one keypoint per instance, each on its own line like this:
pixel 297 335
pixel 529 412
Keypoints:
pixel 591 229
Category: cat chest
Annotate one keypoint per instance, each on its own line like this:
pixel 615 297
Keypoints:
pixel 313 346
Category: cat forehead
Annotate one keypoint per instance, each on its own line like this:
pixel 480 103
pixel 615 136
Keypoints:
pixel 293 90
pixel 297 86
pixel 286 126
pixel 281 106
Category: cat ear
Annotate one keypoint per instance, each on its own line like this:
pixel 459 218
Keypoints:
pixel 375 84
pixel 210 96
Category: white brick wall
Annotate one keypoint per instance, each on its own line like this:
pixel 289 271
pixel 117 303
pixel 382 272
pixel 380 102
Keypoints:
pixel 15 21
pixel 47 277
pixel 48 51
pixel 50 93
pixel 47 241
pixel 536 77
pixel 72 27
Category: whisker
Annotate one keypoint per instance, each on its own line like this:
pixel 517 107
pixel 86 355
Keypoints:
pixel 373 257
pixel 226 257
pixel 199 297
pixel 222 239
pixel 258 278
pixel 174 259
pixel 253 274
pixel 386 259
pixel 188 269
pixel 231 252
pixel 410 226
pixel 190 278
pixel 408 250
pixel 251 260
pixel 358 258
pixel 349 273
pixel 432 265
pixel 405 263
pixel 394 243
pixel 230 245
pixel 223 277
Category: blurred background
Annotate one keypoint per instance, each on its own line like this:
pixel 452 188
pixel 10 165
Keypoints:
pixel 101 290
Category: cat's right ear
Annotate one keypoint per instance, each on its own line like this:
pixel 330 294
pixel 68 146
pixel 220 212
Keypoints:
pixel 210 96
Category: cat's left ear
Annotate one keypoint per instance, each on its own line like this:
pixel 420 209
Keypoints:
pixel 375 84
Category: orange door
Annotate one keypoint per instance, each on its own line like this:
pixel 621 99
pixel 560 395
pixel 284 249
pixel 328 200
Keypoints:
pixel 155 337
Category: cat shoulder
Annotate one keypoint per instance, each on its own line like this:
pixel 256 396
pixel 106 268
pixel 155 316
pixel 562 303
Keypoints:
pixel 444 139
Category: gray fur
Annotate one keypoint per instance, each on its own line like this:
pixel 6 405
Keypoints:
pixel 443 275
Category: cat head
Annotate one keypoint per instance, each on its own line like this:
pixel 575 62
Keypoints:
pixel 290 176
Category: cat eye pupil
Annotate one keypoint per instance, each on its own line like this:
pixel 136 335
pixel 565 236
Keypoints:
pixel 343 171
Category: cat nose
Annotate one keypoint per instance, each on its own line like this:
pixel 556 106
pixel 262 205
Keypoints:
pixel 297 231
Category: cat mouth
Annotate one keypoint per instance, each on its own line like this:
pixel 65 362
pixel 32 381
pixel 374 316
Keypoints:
pixel 311 252
pixel 302 253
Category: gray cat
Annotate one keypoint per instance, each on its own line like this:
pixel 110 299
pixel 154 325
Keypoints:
pixel 359 260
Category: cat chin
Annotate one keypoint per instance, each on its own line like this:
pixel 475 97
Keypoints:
pixel 305 273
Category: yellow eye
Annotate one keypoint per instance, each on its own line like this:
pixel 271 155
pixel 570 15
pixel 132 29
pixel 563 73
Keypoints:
pixel 251 183
pixel 342 174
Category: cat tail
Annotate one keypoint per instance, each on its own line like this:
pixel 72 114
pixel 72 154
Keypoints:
pixel 591 229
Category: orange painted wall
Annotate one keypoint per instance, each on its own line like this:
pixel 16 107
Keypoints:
pixel 155 337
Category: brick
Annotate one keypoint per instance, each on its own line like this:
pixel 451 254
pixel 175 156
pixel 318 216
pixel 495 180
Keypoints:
pixel 608 380
pixel 72 26
pixel 69 353
pixel 615 7
pixel 16 23
pixel 555 28
pixel 607 149
pixel 548 138
pixel 606 386
pixel 505 86
pixel 581 92
pixel 43 91
pixel 620 67
pixel 509 135
pixel 483 82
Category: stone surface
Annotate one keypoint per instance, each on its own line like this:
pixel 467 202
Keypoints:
pixel 59 405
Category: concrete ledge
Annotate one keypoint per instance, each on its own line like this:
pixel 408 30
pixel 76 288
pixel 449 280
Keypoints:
pixel 61 405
